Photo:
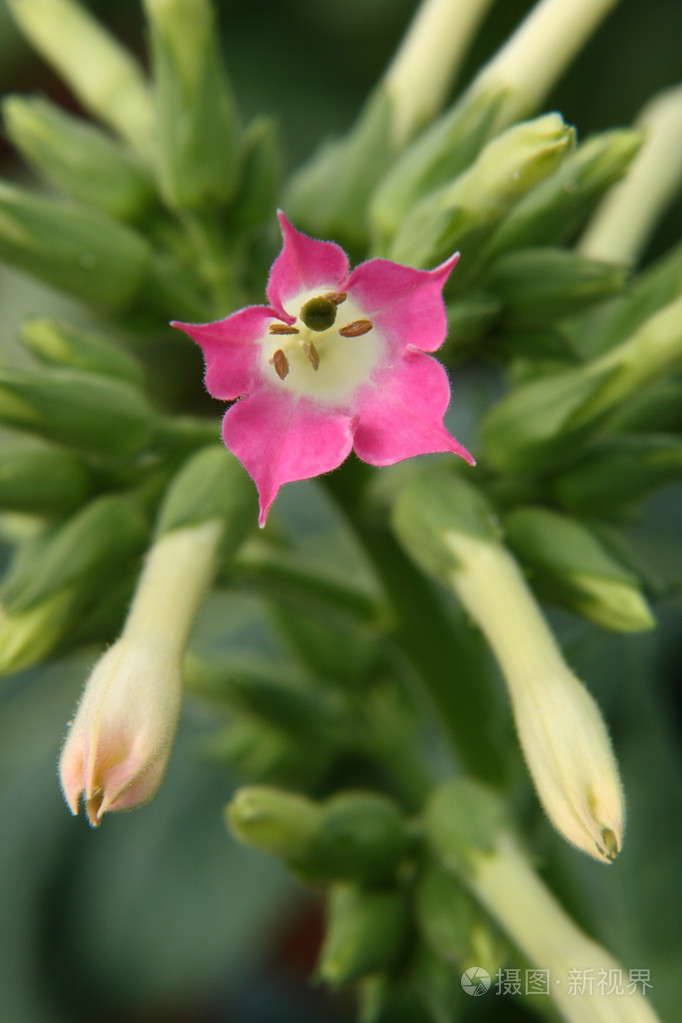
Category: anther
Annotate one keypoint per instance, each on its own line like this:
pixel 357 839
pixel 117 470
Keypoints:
pixel 336 297
pixel 356 328
pixel 318 313
pixel 311 351
pixel 281 363
pixel 282 328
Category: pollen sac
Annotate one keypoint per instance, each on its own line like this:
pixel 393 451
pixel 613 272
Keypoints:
pixel 318 313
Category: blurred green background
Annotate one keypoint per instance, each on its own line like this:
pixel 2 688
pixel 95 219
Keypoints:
pixel 160 917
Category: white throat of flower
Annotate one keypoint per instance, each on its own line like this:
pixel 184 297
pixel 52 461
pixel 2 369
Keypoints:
pixel 325 363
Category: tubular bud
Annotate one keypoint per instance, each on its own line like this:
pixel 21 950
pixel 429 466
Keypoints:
pixel 118 746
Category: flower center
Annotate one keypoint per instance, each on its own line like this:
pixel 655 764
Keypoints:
pixel 324 353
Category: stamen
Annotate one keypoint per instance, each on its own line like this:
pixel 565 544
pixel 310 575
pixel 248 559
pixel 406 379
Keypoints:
pixel 282 328
pixel 311 351
pixel 356 328
pixel 336 297
pixel 281 363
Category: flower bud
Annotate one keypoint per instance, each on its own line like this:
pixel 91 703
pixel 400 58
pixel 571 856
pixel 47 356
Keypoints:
pixel 78 250
pixel 59 344
pixel 280 823
pixel 84 411
pixel 55 579
pixel 551 211
pixel 77 158
pixel 562 734
pixel 197 125
pixel 41 479
pixel 571 567
pixel 471 205
pixel 359 836
pixel 366 932
pixel 618 471
pixel 119 743
pixel 102 74
pixel 544 419
pixel 542 285
pixel 28 637
pixel 436 156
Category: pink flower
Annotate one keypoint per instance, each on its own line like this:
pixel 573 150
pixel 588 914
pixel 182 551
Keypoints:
pixel 336 362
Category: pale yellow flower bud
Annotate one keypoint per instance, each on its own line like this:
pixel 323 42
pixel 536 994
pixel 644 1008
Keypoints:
pixel 561 731
pixel 118 746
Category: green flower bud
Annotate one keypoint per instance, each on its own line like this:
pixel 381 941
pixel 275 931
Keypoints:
pixel 77 158
pixel 55 581
pixel 361 837
pixel 283 824
pixel 539 286
pixel 107 533
pixel 466 210
pixel 74 249
pixel 462 819
pixel 537 424
pixel 28 637
pixel 102 74
pixel 436 156
pixel 41 479
pixel 570 566
pixel 366 933
pixel 84 411
pixel 617 471
pixel 59 344
pixel 197 121
pixel 211 485
pixel 552 210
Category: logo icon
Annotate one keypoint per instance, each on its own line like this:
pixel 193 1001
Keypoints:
pixel 475 981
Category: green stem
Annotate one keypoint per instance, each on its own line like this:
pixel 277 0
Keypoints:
pixel 450 660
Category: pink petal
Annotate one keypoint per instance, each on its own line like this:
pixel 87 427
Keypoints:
pixel 229 349
pixel 406 304
pixel 304 263
pixel 401 415
pixel 279 439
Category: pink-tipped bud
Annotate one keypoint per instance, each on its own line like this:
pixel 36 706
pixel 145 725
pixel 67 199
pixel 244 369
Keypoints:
pixel 118 746
pixel 119 743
